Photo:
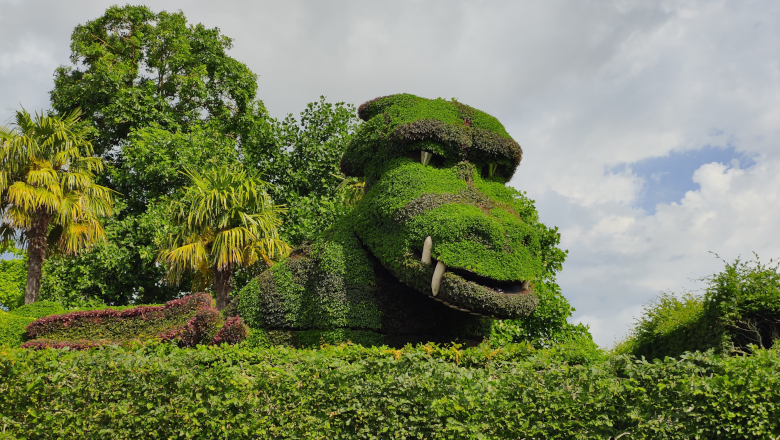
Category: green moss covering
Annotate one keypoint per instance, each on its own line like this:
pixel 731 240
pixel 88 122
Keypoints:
pixel 325 285
pixel 365 275
pixel 401 124
pixel 39 309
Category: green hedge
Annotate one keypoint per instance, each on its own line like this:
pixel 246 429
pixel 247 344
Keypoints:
pixel 353 392
pixel 12 329
pixel 39 309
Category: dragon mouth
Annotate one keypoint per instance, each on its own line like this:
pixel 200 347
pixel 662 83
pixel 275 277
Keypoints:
pixel 504 287
pixel 454 283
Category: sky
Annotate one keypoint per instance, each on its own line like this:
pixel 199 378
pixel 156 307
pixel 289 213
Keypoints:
pixel 650 129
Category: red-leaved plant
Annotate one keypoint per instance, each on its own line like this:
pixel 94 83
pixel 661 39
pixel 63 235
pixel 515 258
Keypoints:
pixel 233 332
pixel 74 329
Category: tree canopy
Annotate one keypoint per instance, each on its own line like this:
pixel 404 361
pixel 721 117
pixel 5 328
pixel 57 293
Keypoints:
pixel 225 220
pixel 133 68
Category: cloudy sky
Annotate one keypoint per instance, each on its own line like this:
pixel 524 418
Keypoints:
pixel 651 129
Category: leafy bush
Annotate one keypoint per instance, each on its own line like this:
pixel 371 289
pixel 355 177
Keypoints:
pixel 189 319
pixel 233 332
pixel 12 329
pixel 39 309
pixel 351 392
pixel 13 279
pixel 203 327
pixel 669 326
pixel 740 307
pixel 547 325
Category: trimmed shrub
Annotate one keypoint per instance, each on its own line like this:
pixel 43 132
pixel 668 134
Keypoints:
pixel 39 309
pixel 233 332
pixel 351 392
pixel 176 319
pixel 203 327
pixel 12 328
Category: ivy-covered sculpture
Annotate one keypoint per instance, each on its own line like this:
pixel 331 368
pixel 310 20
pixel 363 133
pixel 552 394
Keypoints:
pixel 436 247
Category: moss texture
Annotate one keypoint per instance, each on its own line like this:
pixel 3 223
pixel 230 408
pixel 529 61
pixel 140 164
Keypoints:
pixel 365 275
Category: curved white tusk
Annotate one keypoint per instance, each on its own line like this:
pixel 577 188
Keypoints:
pixel 436 280
pixel 426 255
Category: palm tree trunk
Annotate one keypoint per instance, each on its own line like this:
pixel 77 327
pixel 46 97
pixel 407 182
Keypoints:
pixel 223 281
pixel 36 253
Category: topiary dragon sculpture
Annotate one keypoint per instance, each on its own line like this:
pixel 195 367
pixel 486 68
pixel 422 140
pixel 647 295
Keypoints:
pixel 437 245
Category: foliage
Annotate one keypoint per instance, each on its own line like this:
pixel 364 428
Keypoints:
pixel 13 278
pixel 12 329
pixel 349 391
pixel 161 95
pixel 547 325
pixel 119 271
pixel 133 68
pixel 740 307
pixel 324 286
pixel 233 332
pixel 261 338
pixel 226 219
pixel 301 159
pixel 190 320
pixel 153 159
pixel 39 309
pixel 48 194
pixel 202 328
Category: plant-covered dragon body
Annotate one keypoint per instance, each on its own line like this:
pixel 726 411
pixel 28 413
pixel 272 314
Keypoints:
pixel 436 246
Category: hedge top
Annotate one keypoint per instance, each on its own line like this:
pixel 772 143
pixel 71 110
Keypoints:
pixel 398 124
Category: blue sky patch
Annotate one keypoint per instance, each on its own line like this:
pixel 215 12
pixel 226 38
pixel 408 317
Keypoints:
pixel 668 178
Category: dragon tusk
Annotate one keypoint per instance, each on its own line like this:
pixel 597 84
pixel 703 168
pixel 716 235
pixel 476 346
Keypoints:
pixel 436 280
pixel 426 254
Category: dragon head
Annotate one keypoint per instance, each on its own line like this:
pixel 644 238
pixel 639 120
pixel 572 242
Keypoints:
pixel 437 212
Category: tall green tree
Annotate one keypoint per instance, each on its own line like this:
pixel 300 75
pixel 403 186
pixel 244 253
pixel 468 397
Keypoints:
pixel 161 95
pixel 134 68
pixel 48 194
pixel 226 219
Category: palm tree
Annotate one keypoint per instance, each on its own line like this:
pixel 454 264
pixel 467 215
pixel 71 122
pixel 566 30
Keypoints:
pixel 48 195
pixel 226 220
